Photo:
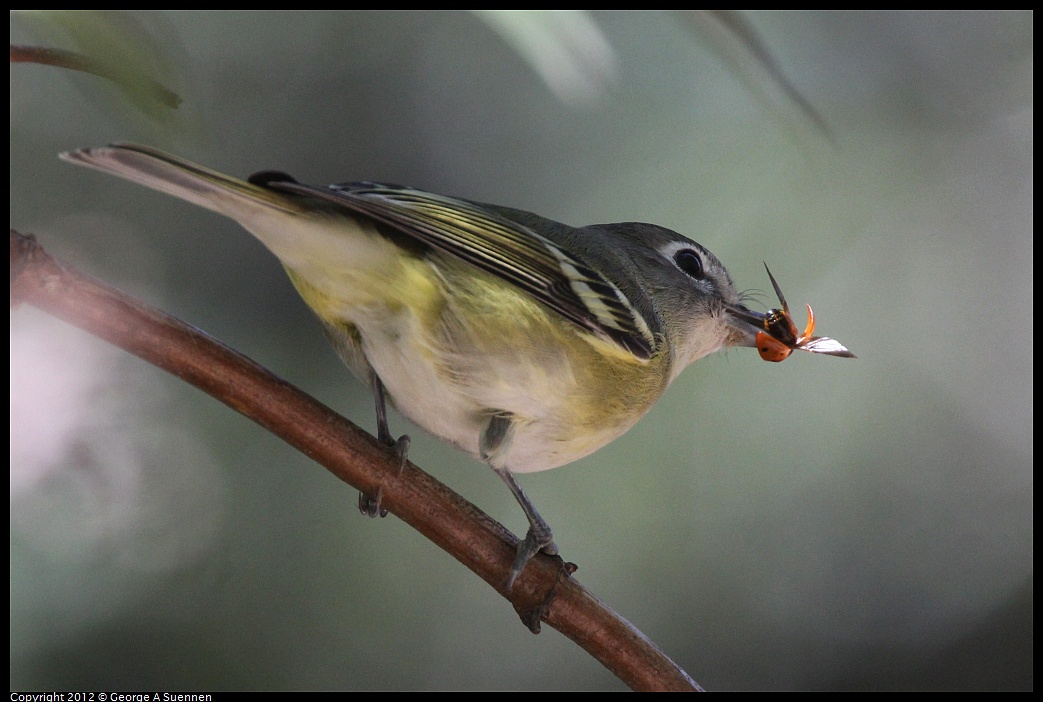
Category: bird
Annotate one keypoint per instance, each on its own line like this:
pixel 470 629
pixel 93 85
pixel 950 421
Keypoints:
pixel 524 342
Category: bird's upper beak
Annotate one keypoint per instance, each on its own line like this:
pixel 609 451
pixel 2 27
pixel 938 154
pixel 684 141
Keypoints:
pixel 746 324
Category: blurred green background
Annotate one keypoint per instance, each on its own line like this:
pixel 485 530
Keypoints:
pixel 818 524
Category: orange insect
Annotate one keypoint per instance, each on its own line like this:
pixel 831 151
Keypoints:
pixel 780 337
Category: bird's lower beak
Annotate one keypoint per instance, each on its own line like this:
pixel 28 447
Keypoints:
pixel 746 324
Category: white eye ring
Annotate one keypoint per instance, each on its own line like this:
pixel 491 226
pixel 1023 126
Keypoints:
pixel 689 258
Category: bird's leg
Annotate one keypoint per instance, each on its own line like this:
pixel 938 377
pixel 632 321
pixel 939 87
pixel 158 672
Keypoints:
pixel 537 538
pixel 495 444
pixel 369 505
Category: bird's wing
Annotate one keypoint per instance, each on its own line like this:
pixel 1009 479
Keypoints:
pixel 505 248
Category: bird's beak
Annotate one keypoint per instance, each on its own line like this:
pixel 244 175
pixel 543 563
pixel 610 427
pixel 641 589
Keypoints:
pixel 746 324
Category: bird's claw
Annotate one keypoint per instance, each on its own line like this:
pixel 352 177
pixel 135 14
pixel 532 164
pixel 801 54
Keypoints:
pixel 534 542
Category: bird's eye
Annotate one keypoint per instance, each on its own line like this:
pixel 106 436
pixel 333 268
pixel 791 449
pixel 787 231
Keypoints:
pixel 689 262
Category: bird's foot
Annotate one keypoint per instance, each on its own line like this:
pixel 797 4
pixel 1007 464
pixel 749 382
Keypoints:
pixel 538 538
pixel 370 505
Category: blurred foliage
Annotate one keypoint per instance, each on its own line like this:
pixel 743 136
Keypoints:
pixel 134 51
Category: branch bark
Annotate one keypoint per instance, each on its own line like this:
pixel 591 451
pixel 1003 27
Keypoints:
pixel 543 592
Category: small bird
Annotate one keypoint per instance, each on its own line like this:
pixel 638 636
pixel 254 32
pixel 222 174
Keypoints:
pixel 524 342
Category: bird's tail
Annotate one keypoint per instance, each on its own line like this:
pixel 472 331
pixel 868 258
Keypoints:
pixel 169 174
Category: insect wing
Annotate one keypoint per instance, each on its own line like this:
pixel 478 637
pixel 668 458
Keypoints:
pixel 827 346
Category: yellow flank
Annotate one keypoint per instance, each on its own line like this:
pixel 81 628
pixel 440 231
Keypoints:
pixel 338 293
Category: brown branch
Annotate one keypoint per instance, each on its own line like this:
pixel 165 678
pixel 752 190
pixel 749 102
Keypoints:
pixel 543 592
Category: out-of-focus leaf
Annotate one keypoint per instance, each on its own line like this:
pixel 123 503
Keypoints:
pixel 736 41
pixel 132 53
pixel 78 62
pixel 564 47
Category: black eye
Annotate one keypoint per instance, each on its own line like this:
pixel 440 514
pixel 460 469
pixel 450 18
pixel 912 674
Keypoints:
pixel 689 262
